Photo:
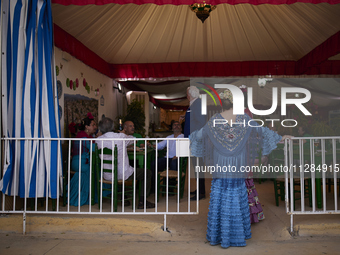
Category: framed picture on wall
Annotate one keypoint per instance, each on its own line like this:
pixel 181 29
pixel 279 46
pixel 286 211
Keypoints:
pixel 76 108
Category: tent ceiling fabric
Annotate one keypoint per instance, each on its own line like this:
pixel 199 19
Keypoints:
pixel 188 2
pixel 134 41
pixel 149 33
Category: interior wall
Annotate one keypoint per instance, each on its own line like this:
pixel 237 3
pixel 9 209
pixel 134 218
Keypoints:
pixel 154 115
pixel 168 115
pixel 100 85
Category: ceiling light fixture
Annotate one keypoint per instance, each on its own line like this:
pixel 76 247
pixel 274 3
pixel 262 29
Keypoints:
pixel 202 10
pixel 263 81
pixel 119 87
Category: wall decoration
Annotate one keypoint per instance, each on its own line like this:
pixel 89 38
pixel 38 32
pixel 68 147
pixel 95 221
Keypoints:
pixel 96 92
pixel 60 112
pixel 59 89
pixel 75 84
pixel 102 100
pixel 76 108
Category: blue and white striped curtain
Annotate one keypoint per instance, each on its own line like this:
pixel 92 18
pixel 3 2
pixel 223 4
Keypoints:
pixel 29 102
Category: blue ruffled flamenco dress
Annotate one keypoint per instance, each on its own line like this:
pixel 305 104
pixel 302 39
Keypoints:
pixel 236 146
pixel 228 217
pixel 85 175
pixel 84 181
pixel 84 168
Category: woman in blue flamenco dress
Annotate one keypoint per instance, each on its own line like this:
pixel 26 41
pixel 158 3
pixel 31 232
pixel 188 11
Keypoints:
pixel 87 129
pixel 230 148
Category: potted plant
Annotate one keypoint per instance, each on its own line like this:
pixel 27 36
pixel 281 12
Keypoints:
pixel 321 128
pixel 135 113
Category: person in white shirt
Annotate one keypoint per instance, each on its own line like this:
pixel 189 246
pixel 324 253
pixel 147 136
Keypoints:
pixel 125 171
pixel 177 129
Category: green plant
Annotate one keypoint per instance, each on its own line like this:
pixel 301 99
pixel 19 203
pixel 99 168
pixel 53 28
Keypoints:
pixel 321 128
pixel 286 130
pixel 135 113
pixel 335 125
pixel 301 118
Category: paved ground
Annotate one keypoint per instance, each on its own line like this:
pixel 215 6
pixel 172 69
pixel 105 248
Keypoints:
pixel 143 234
pixel 107 244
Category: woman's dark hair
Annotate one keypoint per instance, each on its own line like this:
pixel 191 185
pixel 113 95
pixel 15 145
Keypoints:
pixel 226 104
pixel 85 122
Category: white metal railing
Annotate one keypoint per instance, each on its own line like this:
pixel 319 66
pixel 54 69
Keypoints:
pixel 309 168
pixel 27 162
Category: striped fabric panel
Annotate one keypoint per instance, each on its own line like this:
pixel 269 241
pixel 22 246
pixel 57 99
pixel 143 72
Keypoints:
pixel 31 104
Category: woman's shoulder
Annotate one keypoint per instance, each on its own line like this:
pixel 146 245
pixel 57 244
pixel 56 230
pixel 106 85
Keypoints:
pixel 238 117
pixel 216 116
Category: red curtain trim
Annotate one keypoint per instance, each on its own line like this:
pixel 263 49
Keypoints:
pixel 68 43
pixel 71 45
pixel 328 67
pixel 188 2
pixel 203 69
pixel 319 54
pixel 161 83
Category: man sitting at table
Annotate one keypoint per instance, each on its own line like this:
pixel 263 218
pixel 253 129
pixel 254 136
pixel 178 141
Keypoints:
pixel 177 129
pixel 106 127
pixel 129 129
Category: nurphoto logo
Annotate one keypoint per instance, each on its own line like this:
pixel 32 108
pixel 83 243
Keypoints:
pixel 238 104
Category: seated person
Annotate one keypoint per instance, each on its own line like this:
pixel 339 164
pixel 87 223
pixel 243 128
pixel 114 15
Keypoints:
pixel 164 126
pixel 129 129
pixel 106 127
pixel 87 128
pixel 303 132
pixel 170 126
pixel 177 129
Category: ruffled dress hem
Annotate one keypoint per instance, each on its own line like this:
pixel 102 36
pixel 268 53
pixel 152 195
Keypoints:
pixel 228 217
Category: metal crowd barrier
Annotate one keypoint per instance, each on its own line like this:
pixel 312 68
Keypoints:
pixel 310 166
pixel 51 196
